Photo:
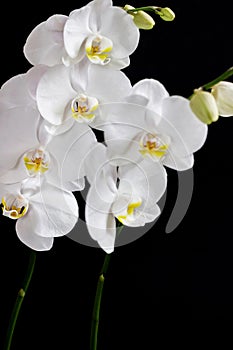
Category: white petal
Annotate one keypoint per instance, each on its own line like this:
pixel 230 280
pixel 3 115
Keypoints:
pixel 107 85
pixel 125 36
pixel 15 92
pixel 100 222
pixel 14 175
pixel 143 216
pixel 79 76
pixel 27 236
pixel 123 125
pixel 98 7
pixel 154 91
pixel 118 63
pixel 54 130
pixel 33 77
pixel 45 45
pixel 9 188
pixel 186 131
pixel 108 242
pixel 122 149
pixel 54 93
pixel 178 163
pixel 147 179
pixel 77 185
pixel 18 133
pixel 137 99
pixel 76 30
pixel 130 114
pixel 100 172
pixel 150 213
pixel 69 150
pixel 52 211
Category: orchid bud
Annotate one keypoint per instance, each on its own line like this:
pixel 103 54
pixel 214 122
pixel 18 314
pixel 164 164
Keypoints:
pixel 165 13
pixel 141 19
pixel 223 94
pixel 204 106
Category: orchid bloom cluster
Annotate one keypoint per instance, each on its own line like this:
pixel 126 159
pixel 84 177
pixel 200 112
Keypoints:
pixel 51 116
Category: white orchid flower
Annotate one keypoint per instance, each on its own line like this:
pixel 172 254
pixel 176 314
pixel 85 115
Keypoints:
pixel 26 149
pixel 102 33
pixel 155 126
pixel 42 210
pixel 129 194
pixel 66 95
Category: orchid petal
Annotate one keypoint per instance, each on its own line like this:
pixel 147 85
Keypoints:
pixel 27 236
pixel 14 175
pixel 125 37
pixel 178 163
pixel 98 7
pixel 100 222
pixel 69 150
pixel 154 91
pixel 18 133
pixel 107 85
pixel 52 212
pixel 99 171
pixel 45 44
pixel 54 92
pixel 147 179
pixel 186 131
pixel 76 30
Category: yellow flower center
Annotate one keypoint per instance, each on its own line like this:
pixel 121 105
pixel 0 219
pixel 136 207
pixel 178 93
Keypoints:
pixel 130 211
pixel 98 49
pixel 36 161
pixel 153 146
pixel 14 206
pixel 82 108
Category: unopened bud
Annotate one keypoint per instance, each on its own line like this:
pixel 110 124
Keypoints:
pixel 223 94
pixel 141 19
pixel 165 13
pixel 204 106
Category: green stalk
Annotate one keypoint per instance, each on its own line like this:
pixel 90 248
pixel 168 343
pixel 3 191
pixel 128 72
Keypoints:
pixel 97 303
pixel 223 76
pixel 144 8
pixel 18 302
pixel 98 297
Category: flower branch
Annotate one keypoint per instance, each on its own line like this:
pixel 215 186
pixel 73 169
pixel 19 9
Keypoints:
pixel 97 304
pixel 19 300
pixel 225 75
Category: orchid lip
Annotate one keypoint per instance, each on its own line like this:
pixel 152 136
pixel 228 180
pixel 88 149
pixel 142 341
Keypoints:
pixel 152 145
pixel 126 211
pixel 130 211
pixel 36 161
pixel 14 206
pixel 98 49
pixel 82 108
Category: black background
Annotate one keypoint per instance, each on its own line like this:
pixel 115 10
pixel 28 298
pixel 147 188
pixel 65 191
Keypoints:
pixel 163 289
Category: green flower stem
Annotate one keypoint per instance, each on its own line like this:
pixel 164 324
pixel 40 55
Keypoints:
pixel 223 76
pixel 97 303
pixel 145 8
pixel 98 297
pixel 19 300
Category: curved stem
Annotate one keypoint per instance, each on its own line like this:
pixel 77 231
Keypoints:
pixel 223 76
pixel 19 300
